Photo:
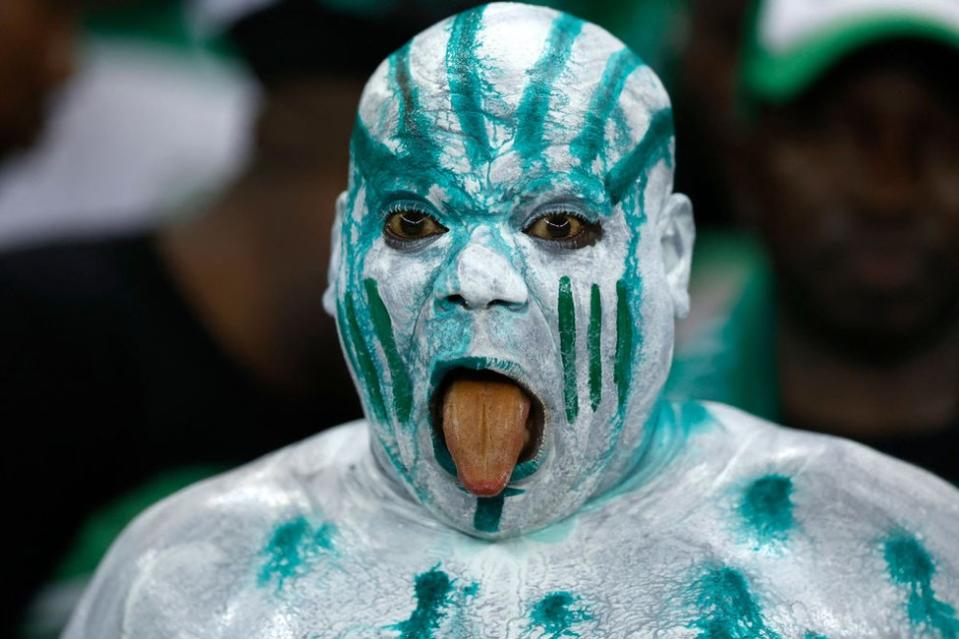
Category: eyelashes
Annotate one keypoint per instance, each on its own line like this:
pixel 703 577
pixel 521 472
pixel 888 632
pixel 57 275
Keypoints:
pixel 564 229
pixel 409 224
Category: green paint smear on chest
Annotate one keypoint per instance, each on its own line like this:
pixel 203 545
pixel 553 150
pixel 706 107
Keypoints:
pixel 383 325
pixel 727 608
pixel 567 346
pixel 435 592
pixel 767 509
pixel 911 567
pixel 556 614
pixel 292 547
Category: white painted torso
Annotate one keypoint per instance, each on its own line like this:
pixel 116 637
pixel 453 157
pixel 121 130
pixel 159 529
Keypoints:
pixel 313 541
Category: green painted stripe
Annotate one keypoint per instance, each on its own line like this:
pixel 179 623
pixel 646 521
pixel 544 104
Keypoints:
pixel 488 513
pixel 466 86
pixel 595 343
pixel 442 453
pixel 534 104
pixel 367 369
pixel 567 347
pixel 383 325
pixel 404 89
pixel 435 593
pixel 349 348
pixel 556 614
pixel 415 126
pixel 374 160
pixel 727 606
pixel 653 147
pixel 912 568
pixel 370 155
pixel 619 67
pixel 624 342
pixel 292 548
pixel 766 509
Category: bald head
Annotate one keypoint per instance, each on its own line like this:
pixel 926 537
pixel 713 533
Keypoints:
pixel 508 88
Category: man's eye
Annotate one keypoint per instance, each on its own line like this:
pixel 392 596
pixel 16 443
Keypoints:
pixel 410 225
pixel 565 229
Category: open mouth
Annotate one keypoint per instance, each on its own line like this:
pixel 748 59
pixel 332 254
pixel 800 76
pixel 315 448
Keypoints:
pixel 486 424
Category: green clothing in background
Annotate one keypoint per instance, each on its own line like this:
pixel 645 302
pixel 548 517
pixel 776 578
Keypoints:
pixel 725 349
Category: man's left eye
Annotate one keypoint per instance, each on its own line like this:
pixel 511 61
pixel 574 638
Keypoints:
pixel 409 225
pixel 565 229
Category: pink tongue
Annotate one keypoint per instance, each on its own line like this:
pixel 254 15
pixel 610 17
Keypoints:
pixel 484 422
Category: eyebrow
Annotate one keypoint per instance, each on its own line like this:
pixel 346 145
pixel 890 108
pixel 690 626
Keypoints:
pixel 619 67
pixel 651 149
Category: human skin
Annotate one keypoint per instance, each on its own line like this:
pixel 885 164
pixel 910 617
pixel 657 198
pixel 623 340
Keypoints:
pixel 250 264
pixel 854 190
pixel 36 56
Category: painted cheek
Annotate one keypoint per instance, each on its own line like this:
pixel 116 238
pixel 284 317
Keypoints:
pixel 587 317
pixel 405 280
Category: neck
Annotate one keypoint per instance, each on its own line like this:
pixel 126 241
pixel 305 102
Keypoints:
pixel 665 434
pixel 827 390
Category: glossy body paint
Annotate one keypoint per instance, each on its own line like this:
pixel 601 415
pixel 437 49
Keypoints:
pixel 316 541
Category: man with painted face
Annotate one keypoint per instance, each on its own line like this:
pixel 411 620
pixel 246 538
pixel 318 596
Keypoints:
pixel 508 262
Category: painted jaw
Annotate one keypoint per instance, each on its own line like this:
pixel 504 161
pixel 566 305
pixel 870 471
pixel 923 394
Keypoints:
pixel 582 331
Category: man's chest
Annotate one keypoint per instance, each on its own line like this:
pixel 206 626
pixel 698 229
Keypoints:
pixel 620 586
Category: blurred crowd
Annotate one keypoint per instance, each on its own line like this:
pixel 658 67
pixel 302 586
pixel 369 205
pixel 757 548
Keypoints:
pixel 168 170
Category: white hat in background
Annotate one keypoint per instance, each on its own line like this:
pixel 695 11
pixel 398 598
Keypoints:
pixel 790 43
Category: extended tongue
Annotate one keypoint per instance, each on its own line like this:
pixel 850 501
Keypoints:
pixel 484 422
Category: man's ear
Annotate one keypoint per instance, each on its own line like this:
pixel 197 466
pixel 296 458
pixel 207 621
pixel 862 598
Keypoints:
pixel 677 233
pixel 333 270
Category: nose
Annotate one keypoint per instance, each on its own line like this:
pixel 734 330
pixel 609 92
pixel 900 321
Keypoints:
pixel 482 277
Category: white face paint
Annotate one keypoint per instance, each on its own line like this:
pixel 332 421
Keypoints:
pixel 482 126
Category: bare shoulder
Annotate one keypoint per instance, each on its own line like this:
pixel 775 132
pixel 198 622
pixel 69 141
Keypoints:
pixel 835 491
pixel 850 472
pixel 181 552
pixel 794 516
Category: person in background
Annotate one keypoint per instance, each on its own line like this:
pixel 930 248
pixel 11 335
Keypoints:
pixel 154 119
pixel 36 56
pixel 158 357
pixel 845 160
pixel 37 39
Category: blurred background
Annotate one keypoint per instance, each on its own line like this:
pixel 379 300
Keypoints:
pixel 168 170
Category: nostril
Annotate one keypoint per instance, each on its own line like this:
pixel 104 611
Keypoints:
pixel 510 304
pixel 459 300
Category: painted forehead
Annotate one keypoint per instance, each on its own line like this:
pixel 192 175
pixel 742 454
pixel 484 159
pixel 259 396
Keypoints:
pixel 508 97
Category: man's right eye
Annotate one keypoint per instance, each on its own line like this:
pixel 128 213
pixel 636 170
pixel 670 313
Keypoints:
pixel 565 229
pixel 409 225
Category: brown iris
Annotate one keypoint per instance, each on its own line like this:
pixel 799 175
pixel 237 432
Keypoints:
pixel 565 229
pixel 409 225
